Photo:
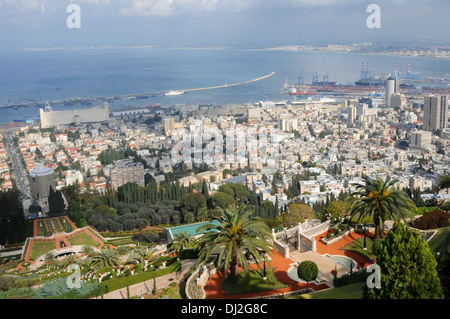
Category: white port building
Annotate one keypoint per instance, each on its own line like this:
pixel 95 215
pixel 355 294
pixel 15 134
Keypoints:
pixel 54 118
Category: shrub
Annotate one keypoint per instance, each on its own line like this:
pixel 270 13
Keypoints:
pixel 431 220
pixel 146 238
pixel 446 206
pixel 58 288
pixel 376 246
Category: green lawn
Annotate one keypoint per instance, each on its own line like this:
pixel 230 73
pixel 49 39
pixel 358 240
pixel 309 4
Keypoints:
pixel 253 283
pixel 40 248
pixel 441 241
pixel 353 291
pixel 358 245
pixel 83 239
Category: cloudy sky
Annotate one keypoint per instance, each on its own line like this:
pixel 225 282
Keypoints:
pixel 43 23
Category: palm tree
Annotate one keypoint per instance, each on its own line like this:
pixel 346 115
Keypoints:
pixel 68 261
pixel 380 200
pixel 443 182
pixel 103 258
pixel 49 258
pixel 237 234
pixel 140 254
pixel 123 250
pixel 87 250
pixel 181 241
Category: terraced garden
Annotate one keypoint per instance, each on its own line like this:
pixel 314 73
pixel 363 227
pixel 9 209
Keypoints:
pixel 50 226
pixel 40 248
pixel 82 239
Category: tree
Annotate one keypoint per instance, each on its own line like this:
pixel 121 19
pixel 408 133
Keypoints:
pixel 55 202
pixel 222 200
pixel 337 209
pixel 237 234
pixel 238 191
pixel 181 241
pixel 380 200
pixel 443 182
pixel 104 258
pixel 307 271
pixel 49 258
pixel 408 268
pixel 87 250
pixel 193 202
pixel 12 226
pixel 140 254
pixel 298 212
pixel 202 214
pixel 205 190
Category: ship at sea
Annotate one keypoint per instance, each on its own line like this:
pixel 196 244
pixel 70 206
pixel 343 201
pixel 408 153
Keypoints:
pixel 370 82
pixel 294 91
pixel 174 93
pixel 27 119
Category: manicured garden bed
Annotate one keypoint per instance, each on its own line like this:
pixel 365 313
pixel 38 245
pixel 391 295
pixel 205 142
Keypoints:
pixel 82 239
pixel 40 248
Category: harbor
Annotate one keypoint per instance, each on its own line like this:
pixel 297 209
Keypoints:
pixel 89 101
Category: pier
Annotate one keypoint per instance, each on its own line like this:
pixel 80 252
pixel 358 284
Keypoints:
pixel 72 100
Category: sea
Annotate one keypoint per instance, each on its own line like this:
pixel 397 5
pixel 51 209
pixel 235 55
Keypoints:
pixel 61 74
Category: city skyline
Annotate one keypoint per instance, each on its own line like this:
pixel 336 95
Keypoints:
pixel 43 23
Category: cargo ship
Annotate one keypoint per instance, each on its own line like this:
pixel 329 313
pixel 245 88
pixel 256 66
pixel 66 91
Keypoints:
pixel 293 91
pixel 27 119
pixel 370 82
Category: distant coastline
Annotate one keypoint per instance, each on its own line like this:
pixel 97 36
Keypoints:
pixel 436 52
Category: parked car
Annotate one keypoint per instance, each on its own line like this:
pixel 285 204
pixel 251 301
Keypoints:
pixel 360 228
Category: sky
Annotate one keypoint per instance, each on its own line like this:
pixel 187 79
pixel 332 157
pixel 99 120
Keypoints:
pixel 247 23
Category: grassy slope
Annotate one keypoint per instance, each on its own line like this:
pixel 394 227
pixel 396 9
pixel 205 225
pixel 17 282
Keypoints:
pixel 353 291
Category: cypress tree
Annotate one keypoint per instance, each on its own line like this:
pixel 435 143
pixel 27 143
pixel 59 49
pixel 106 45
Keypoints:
pixel 205 190
pixel 408 268
pixel 276 206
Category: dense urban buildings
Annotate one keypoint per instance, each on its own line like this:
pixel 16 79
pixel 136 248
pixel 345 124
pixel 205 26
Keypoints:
pixel 435 112
pixel 121 174
pixel 150 172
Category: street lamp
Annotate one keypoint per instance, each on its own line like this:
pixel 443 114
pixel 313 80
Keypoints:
pixel 364 229
pixel 264 265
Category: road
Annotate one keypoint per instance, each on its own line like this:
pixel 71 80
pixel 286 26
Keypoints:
pixel 17 170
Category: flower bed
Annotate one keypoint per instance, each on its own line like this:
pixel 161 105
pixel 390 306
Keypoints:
pixel 335 234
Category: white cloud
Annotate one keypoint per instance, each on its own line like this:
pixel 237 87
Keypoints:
pixel 167 7
pixel 172 7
